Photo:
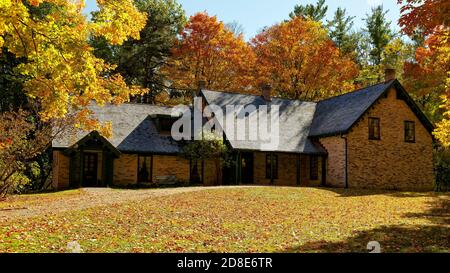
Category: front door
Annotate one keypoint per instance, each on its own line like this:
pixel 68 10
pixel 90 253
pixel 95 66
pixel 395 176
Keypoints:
pixel 90 169
pixel 247 168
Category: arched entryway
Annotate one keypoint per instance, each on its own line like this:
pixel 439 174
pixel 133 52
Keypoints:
pixel 91 161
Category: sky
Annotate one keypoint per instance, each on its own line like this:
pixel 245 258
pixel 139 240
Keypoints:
pixel 254 15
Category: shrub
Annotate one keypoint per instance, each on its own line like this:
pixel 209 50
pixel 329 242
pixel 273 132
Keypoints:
pixel 442 168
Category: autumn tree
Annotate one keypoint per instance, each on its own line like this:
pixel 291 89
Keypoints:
pixel 21 141
pixel 430 71
pixel 49 69
pixel 395 54
pixel 208 51
pixel 299 61
pixel 11 95
pixel 139 61
pixel 236 28
pixel 423 14
pixel 60 70
pixel 315 12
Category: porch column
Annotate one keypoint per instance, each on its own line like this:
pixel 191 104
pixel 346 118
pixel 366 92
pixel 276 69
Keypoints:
pixel 81 168
pixel 238 168
pixel 104 169
pixel 271 168
pixel 299 165
pixel 324 170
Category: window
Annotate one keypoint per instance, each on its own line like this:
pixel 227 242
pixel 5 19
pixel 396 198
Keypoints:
pixel 410 131
pixel 144 169
pixel 165 124
pixel 374 129
pixel 270 167
pixel 314 167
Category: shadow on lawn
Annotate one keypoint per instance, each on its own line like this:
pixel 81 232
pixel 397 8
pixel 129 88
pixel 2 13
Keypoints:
pixel 368 192
pixel 439 213
pixel 392 239
pixel 434 237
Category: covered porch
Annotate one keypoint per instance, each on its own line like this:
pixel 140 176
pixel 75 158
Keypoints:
pixel 91 161
pixel 275 168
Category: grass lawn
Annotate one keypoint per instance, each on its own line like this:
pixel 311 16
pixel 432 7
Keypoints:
pixel 247 219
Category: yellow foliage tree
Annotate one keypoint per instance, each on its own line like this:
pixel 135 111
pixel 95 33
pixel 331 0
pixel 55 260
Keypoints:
pixel 62 74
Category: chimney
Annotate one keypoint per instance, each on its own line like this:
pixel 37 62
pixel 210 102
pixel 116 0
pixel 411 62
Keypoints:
pixel 389 74
pixel 266 89
pixel 200 86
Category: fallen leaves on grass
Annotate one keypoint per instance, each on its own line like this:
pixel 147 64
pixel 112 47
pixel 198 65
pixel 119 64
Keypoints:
pixel 259 219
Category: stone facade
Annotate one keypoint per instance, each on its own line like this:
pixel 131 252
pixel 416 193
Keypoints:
pixel 126 166
pixel 210 174
pixel 390 163
pixel 335 147
pixel 165 165
pixel 60 167
pixel 125 170
pixel 306 179
pixel 287 170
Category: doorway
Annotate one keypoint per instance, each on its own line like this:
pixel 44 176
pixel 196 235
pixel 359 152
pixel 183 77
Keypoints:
pixel 247 168
pixel 90 165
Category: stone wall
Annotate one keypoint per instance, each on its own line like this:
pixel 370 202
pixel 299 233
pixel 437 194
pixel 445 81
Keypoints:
pixel 125 170
pixel 305 173
pixel 60 168
pixel 167 165
pixel 335 147
pixel 287 170
pixel 390 163
pixel 210 174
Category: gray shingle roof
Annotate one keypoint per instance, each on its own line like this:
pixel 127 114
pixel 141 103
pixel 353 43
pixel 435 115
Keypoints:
pixel 132 129
pixel 295 120
pixel 337 114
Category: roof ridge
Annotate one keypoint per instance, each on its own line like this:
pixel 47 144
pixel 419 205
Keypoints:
pixel 358 90
pixel 287 99
pixel 259 96
pixel 144 104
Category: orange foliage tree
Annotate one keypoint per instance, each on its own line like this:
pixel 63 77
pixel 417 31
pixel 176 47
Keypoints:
pixel 208 51
pixel 431 69
pixel 299 61
pixel 62 74
pixel 423 14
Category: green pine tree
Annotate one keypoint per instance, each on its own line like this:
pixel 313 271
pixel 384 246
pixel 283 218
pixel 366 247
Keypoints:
pixel 139 61
pixel 340 31
pixel 379 32
pixel 313 12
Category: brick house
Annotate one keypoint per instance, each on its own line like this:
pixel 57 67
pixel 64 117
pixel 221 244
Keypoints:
pixel 375 137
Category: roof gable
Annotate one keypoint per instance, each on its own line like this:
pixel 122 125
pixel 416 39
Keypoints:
pixel 414 107
pixel 337 115
pixel 95 139
pixel 133 129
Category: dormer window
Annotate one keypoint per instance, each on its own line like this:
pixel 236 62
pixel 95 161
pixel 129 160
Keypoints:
pixel 164 124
